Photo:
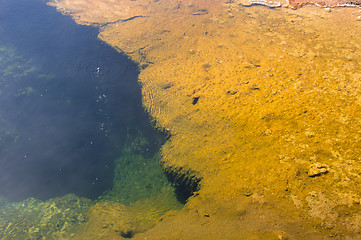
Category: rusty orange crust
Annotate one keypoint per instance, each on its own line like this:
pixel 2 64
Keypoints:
pixel 262 104
pixel 324 3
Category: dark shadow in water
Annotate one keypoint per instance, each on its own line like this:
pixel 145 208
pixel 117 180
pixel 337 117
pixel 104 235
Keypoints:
pixel 71 112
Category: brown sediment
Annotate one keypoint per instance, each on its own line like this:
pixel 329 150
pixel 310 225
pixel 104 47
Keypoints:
pixel 113 220
pixel 263 105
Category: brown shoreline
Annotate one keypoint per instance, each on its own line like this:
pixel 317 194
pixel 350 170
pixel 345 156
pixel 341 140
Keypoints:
pixel 273 132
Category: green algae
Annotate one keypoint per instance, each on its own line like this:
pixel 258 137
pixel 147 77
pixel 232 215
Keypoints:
pixel 13 67
pixel 34 219
pixel 137 177
pixel 137 172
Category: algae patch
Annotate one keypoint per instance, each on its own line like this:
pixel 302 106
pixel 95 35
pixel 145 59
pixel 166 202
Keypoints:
pixel 56 218
pixel 137 171
pixel 13 69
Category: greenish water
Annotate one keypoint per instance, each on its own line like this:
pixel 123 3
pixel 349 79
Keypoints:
pixel 72 127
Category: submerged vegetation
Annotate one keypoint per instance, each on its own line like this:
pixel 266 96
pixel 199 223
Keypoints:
pixel 137 172
pixel 13 69
pixel 140 196
pixel 56 218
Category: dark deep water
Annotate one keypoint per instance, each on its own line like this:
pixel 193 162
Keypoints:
pixel 67 102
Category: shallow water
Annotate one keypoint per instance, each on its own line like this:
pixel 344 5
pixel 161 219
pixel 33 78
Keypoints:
pixel 263 108
pixel 68 104
pixel 262 104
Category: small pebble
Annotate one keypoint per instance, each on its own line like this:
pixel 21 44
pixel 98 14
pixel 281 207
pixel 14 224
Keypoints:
pixel 328 9
pixel 248 193
pixel 317 169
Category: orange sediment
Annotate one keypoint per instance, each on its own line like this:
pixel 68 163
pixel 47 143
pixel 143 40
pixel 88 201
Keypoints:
pixel 262 105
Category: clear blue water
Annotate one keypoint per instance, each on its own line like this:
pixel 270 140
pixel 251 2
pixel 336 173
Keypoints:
pixel 67 103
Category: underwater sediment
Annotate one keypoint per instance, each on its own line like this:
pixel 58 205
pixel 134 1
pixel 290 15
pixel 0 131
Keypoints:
pixel 262 106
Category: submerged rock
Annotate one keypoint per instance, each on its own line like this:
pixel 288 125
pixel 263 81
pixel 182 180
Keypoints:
pixel 317 169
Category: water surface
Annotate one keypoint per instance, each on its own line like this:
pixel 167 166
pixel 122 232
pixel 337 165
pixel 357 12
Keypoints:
pixel 68 104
